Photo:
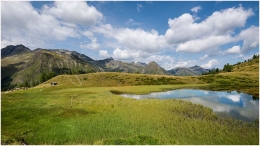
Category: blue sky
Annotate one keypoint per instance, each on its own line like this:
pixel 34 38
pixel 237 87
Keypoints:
pixel 174 34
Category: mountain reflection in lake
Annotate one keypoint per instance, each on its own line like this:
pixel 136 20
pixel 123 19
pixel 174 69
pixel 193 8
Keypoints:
pixel 225 104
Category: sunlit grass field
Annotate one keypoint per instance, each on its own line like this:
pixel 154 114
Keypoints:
pixel 83 109
pixel 93 115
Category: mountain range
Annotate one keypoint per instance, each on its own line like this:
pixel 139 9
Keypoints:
pixel 19 64
pixel 191 71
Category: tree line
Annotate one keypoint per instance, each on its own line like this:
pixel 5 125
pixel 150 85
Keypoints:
pixel 227 67
pixel 254 57
pixel 44 77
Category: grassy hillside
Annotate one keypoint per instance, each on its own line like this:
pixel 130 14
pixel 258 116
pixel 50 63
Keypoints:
pixel 28 67
pixel 244 78
pixel 11 65
pixel 250 66
pixel 103 79
pixel 45 61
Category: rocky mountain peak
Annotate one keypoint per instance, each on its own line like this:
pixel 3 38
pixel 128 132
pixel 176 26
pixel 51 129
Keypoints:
pixel 14 50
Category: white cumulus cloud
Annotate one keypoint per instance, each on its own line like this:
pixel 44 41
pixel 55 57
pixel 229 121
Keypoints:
pixel 199 45
pixel 88 34
pixel 233 50
pixel 103 53
pixel 250 37
pixel 210 64
pixel 23 24
pixel 74 12
pixel 134 39
pixel 125 54
pixel 94 45
pixel 220 23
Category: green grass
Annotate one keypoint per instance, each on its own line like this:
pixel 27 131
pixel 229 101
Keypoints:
pixel 93 115
pixel 82 109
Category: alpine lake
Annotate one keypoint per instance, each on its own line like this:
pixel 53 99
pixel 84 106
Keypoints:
pixel 239 106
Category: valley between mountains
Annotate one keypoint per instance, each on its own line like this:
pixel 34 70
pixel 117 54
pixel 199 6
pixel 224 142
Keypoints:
pixel 21 65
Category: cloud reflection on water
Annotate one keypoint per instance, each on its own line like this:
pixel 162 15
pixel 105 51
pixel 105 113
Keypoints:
pixel 236 105
pixel 235 98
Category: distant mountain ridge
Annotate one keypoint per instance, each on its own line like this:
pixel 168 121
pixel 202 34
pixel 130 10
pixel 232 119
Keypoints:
pixel 190 71
pixel 19 64
pixel 111 65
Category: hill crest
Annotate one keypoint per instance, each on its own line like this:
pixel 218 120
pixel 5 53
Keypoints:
pixel 14 50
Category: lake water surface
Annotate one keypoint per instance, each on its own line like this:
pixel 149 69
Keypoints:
pixel 225 104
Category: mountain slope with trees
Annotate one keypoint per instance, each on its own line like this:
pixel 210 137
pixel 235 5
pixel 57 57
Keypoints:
pixel 33 67
pixel 23 67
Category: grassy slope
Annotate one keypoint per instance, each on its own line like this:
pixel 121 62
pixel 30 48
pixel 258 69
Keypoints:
pixel 120 79
pixel 82 110
pixel 12 64
pixel 244 78
pixel 17 69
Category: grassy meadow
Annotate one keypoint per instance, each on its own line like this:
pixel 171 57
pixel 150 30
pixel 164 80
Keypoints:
pixel 86 109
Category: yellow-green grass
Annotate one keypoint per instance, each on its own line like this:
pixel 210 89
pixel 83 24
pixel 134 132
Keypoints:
pixel 119 79
pixel 250 66
pixel 82 110
pixel 240 81
pixel 70 114
pixel 247 82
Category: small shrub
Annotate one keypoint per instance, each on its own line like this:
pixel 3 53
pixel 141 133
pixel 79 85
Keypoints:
pixel 116 92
